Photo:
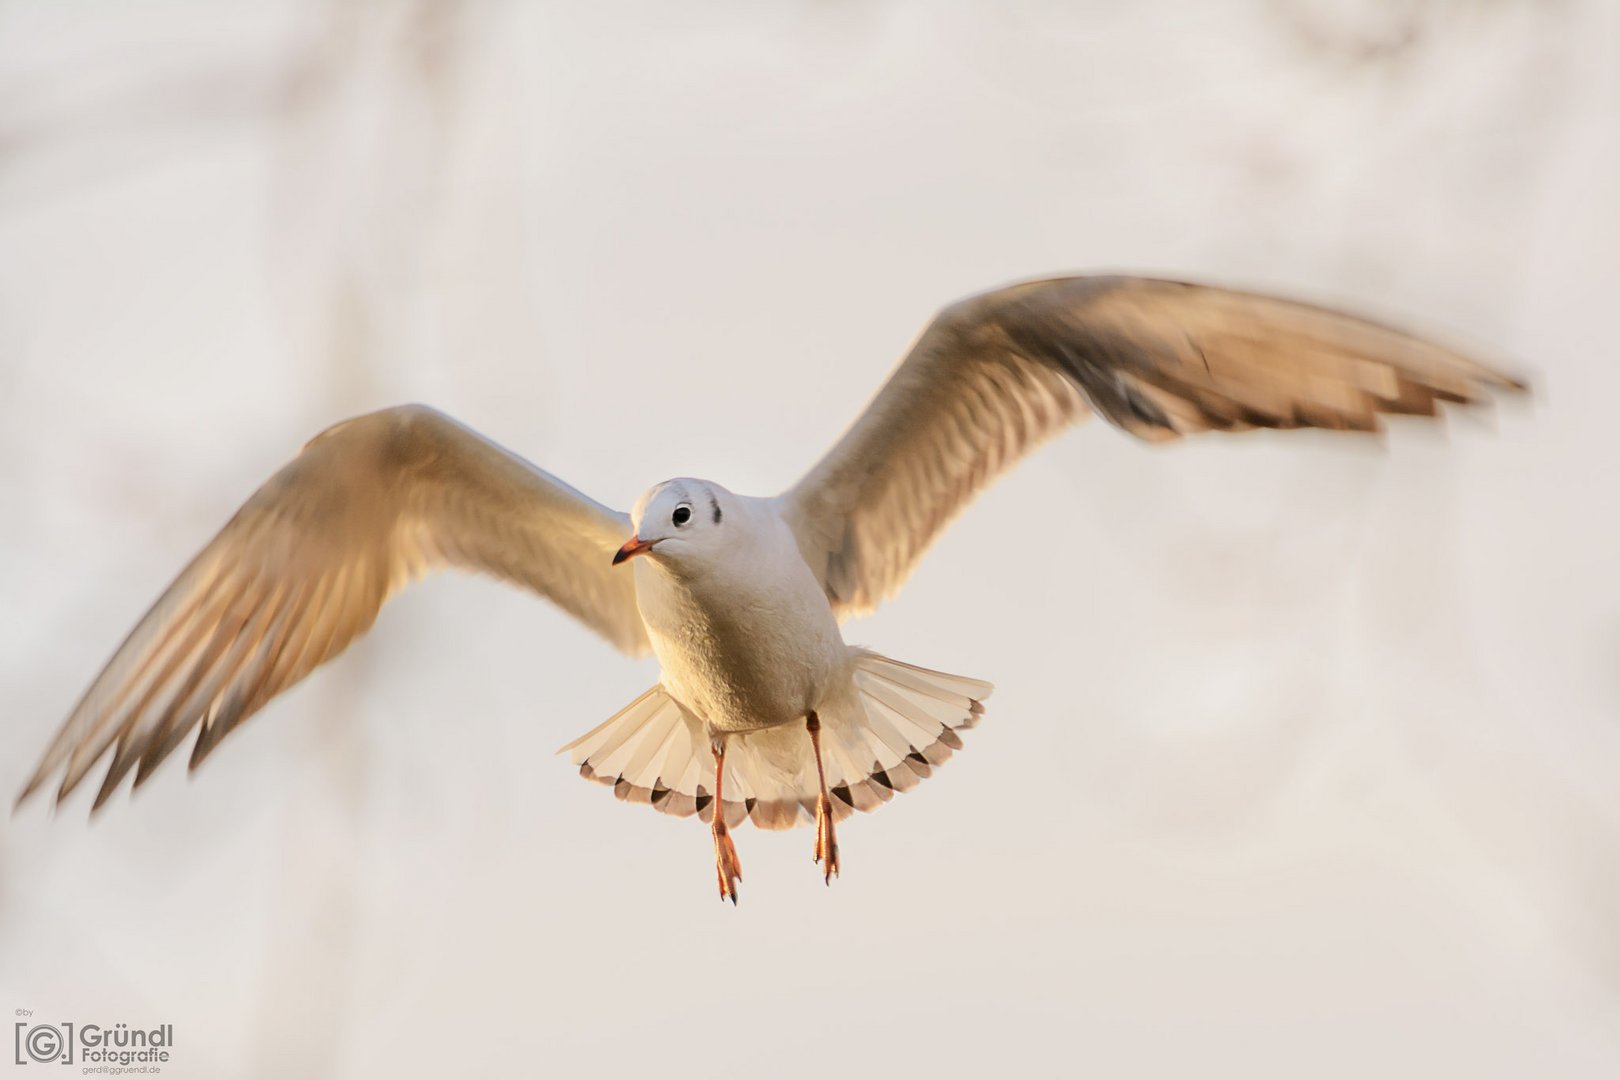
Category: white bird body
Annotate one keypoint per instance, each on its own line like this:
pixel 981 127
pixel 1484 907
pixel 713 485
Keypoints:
pixel 763 713
pixel 742 629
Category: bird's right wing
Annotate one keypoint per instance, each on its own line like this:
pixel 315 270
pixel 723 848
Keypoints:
pixel 306 564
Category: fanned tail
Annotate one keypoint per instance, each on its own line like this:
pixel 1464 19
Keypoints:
pixel 894 727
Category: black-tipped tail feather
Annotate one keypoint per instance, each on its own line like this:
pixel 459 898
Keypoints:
pixel 902 725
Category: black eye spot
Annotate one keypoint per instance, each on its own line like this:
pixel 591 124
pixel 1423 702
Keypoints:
pixel 682 515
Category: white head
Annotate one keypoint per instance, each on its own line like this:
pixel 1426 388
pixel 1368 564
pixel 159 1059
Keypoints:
pixel 679 521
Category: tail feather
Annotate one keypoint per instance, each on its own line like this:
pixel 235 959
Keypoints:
pixel 603 743
pixel 957 690
pixel 896 726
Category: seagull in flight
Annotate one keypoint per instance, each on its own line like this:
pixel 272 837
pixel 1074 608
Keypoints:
pixel 762 712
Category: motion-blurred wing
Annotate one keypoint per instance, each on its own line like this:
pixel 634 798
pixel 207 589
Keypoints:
pixel 994 375
pixel 305 565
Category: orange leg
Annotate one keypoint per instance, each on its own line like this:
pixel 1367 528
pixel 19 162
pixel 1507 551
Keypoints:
pixel 726 866
pixel 826 838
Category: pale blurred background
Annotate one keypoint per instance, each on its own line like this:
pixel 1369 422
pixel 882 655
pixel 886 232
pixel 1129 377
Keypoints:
pixel 1304 752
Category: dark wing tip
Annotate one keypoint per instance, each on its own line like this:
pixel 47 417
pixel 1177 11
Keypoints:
pixel 28 790
pixel 1140 350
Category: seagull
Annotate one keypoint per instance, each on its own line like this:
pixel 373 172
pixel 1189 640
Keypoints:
pixel 762 712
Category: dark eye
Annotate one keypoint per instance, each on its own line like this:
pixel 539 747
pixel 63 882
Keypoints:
pixel 682 514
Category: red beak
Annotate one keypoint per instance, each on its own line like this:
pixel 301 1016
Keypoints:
pixel 633 547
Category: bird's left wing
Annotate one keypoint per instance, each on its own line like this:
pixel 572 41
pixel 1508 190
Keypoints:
pixel 308 561
pixel 996 374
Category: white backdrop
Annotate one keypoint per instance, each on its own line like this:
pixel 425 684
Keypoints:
pixel 1302 759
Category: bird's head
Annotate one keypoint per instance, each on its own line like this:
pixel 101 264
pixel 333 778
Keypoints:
pixel 677 522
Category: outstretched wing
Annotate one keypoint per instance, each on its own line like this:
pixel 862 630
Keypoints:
pixel 306 564
pixel 994 375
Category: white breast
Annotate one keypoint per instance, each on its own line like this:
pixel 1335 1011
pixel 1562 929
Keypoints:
pixel 747 639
